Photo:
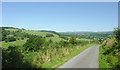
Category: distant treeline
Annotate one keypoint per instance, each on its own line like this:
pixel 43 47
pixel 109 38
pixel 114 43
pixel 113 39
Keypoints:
pixel 89 35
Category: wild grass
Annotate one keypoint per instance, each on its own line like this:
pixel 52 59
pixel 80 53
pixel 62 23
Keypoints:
pixel 54 57
pixel 110 42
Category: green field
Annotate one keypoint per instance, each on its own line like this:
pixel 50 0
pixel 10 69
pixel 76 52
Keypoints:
pixel 12 30
pixel 84 39
pixel 14 43
pixel 56 38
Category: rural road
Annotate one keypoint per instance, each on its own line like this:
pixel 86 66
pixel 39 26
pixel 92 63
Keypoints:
pixel 86 59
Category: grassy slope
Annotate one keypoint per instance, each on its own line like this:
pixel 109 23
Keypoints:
pixel 105 61
pixel 61 61
pixel 12 30
pixel 102 62
pixel 3 44
pixel 52 59
pixel 43 34
pixel 14 43
pixel 56 38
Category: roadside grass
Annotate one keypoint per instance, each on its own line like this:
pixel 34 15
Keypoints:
pixel 60 61
pixel 14 43
pixel 53 57
pixel 110 42
pixel 107 56
pixel 102 62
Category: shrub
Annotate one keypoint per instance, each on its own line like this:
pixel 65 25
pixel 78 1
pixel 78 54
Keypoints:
pixel 63 43
pixel 22 38
pixel 34 44
pixel 50 41
pixel 12 57
pixel 18 38
pixel 10 39
pixel 73 40
pixel 49 35
pixel 64 37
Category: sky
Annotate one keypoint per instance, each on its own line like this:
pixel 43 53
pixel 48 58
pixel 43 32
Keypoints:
pixel 61 16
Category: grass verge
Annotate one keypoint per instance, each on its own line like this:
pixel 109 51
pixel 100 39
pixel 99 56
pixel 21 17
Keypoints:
pixel 61 61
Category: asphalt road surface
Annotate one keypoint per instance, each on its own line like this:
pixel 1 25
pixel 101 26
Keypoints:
pixel 86 59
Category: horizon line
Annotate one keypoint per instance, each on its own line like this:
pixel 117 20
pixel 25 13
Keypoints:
pixel 59 31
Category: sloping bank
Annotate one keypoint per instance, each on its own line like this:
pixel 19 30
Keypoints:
pixel 108 57
pixel 61 61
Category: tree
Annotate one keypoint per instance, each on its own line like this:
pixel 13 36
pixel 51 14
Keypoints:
pixel 117 33
pixel 34 44
pixel 12 57
pixel 63 43
pixel 73 40
pixel 10 39
pixel 117 36
pixel 50 41
pixel 49 35
pixel 22 38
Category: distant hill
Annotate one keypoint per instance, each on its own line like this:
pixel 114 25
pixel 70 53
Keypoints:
pixel 85 32
pixel 89 35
